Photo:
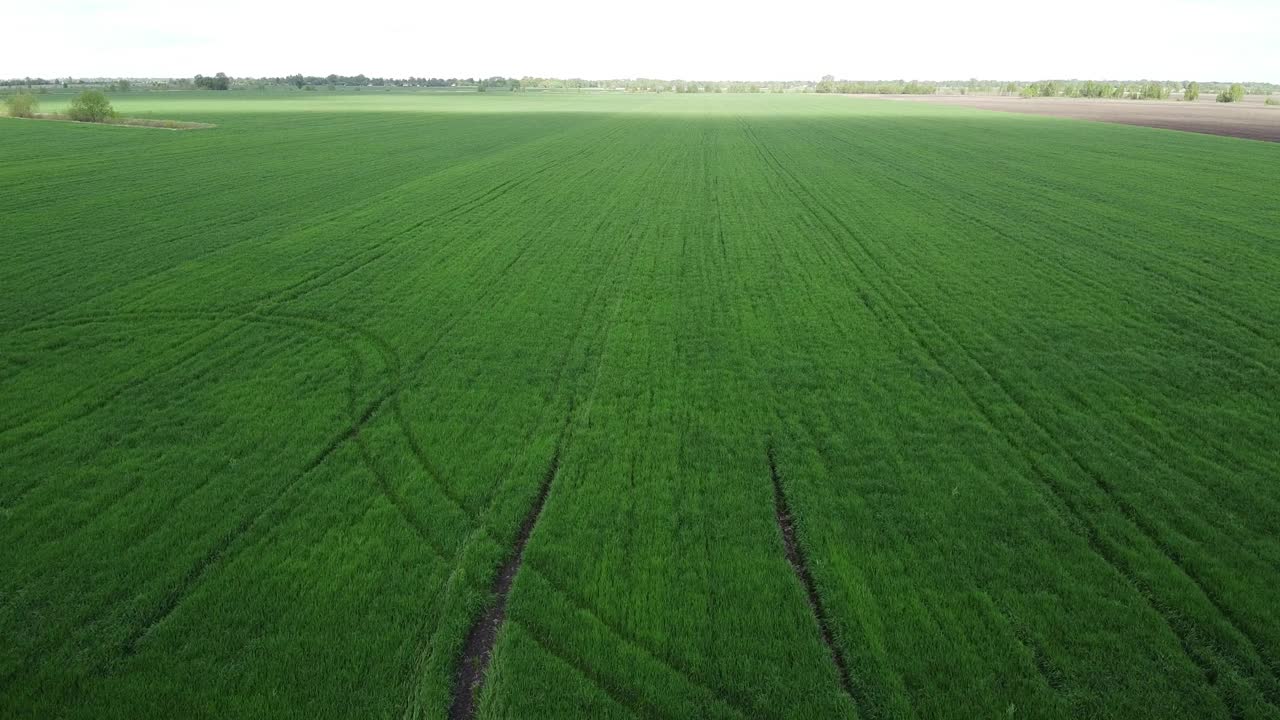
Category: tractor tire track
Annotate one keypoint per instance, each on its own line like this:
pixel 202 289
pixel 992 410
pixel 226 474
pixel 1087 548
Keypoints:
pixel 1181 629
pixel 796 559
pixel 1195 297
pixel 330 330
pixel 1122 505
pixel 403 508
pixel 412 706
pixel 1159 447
pixel 477 304
pixel 390 193
pixel 100 402
pixel 592 677
pixel 245 319
pixel 222 547
pixel 477 651
pixel 602 334
pixel 856 693
pixel 393 242
pixel 219 551
pixel 746 707
pixel 472 667
pixel 478 648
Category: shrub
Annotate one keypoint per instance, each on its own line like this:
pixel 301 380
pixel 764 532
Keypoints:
pixel 1272 101
pixel 91 106
pixel 22 105
pixel 1192 93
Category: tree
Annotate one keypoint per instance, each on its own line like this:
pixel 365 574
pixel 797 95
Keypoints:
pixel 22 105
pixel 1155 91
pixel 826 85
pixel 1192 93
pixel 91 106
pixel 217 82
pixel 1233 94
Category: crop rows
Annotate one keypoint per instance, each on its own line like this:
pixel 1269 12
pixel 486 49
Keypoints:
pixel 733 407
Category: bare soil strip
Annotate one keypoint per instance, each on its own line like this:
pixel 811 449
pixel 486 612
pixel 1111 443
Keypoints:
pixel 478 649
pixel 796 558
pixel 124 122
pixel 1250 119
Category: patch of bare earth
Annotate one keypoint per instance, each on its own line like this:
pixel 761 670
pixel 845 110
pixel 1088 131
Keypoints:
pixel 124 122
pixel 1250 119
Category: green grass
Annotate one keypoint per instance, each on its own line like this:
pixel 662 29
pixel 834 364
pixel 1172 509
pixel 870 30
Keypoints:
pixel 277 396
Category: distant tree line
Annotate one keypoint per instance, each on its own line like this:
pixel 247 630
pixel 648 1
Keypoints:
pixel 829 84
pixel 26 82
pixel 1130 90
pixel 648 85
pixel 512 84
pixel 41 83
pixel 300 81
pixel 1091 89
pixel 1135 90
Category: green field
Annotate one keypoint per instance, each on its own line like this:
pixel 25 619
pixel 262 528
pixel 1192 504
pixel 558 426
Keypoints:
pixel 278 397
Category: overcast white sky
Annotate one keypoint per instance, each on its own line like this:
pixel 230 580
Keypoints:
pixel 721 39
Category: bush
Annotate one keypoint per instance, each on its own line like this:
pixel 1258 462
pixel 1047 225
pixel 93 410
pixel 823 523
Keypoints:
pixel 1272 101
pixel 91 106
pixel 1192 93
pixel 22 105
pixel 1233 94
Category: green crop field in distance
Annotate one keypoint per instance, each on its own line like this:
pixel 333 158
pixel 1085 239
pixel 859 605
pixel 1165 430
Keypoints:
pixel 776 406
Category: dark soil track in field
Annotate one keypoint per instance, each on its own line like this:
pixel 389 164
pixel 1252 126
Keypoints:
pixel 478 650
pixel 618 406
pixel 787 526
pixel 1251 120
